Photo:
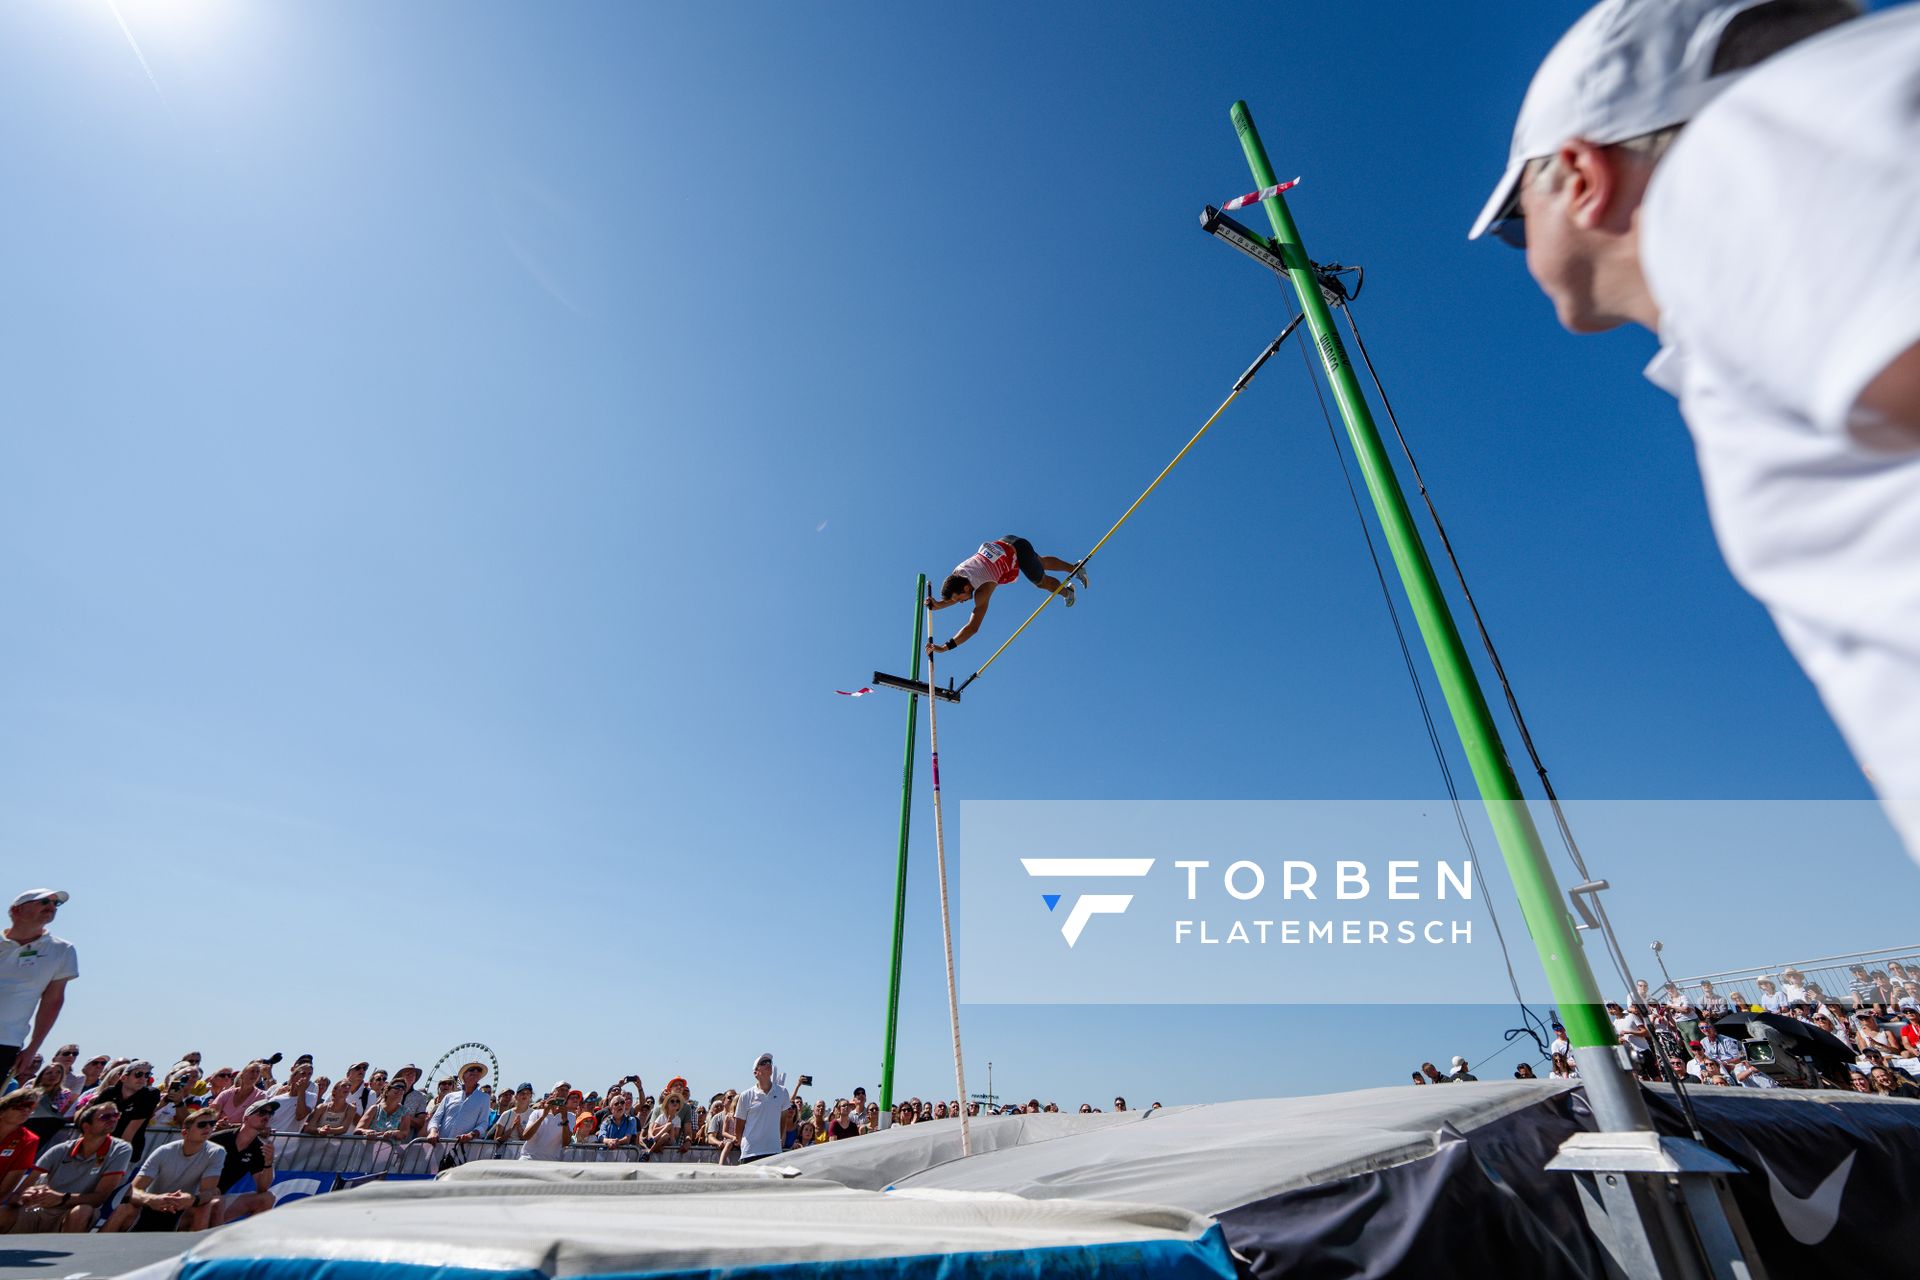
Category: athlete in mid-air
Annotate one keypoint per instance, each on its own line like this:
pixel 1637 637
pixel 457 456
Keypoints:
pixel 996 564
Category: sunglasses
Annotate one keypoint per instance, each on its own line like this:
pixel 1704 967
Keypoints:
pixel 108 1116
pixel 201 1124
pixel 1511 232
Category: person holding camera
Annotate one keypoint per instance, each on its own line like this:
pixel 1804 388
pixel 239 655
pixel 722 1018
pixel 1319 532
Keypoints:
pixel 550 1131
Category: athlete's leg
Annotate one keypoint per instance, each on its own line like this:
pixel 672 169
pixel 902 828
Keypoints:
pixel 1063 566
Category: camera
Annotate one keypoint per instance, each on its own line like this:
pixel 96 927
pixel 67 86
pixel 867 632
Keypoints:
pixel 275 1059
pixel 806 1079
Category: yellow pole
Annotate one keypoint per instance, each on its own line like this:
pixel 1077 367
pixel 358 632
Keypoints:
pixel 1233 395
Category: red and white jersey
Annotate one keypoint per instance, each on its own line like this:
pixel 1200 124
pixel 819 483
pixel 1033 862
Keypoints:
pixel 994 562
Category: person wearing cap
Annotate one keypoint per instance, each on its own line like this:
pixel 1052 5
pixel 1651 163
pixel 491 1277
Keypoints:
pixel 35 968
pixel 516 1115
pixel 551 1130
pixel 415 1102
pixel 759 1120
pixel 1740 177
pixel 461 1116
pixel 357 1091
pixel 247 1152
pixel 1460 1074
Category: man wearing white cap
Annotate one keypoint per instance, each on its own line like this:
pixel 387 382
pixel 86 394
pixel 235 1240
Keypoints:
pixel 1742 178
pixel 35 968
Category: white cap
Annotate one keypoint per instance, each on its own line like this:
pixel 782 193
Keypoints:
pixel 59 897
pixel 1459 1061
pixel 1626 68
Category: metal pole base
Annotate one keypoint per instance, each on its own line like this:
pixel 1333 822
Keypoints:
pixel 1660 1206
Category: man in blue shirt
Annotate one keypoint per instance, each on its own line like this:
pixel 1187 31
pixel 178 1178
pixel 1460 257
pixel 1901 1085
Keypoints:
pixel 462 1114
pixel 1724 1050
pixel 619 1129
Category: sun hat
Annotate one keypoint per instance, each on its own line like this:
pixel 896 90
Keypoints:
pixel 59 897
pixel 1626 68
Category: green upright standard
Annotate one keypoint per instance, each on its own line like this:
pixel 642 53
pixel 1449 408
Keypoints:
pixel 1616 1101
pixel 900 876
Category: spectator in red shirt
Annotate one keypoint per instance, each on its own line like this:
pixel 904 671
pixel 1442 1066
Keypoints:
pixel 19 1145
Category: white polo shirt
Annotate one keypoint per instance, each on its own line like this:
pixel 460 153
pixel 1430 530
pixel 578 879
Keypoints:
pixel 1781 239
pixel 25 970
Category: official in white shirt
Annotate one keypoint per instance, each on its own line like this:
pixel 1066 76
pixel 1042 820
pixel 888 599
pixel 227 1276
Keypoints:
pixel 1742 178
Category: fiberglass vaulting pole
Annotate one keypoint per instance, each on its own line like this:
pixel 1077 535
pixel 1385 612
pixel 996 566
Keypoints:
pixel 946 911
pixel 900 875
pixel 1611 1090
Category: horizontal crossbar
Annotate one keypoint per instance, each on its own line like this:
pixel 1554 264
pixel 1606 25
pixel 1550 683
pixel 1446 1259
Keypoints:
pixel 1245 239
pixel 915 686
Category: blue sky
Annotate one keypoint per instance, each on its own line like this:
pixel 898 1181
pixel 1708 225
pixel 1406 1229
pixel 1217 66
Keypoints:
pixel 453 452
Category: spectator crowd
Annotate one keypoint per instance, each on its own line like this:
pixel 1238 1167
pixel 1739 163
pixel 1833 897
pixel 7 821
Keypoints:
pixel 107 1143
pixel 1790 1034
pixel 103 1111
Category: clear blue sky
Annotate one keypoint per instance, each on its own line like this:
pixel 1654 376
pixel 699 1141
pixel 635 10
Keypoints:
pixel 453 451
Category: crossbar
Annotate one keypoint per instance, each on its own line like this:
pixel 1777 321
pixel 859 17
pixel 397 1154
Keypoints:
pixel 915 686
pixel 1243 238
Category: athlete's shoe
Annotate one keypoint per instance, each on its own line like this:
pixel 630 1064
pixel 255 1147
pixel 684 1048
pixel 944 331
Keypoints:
pixel 1081 573
pixel 1066 593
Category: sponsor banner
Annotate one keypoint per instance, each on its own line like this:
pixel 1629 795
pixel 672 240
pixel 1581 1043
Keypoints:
pixel 1318 902
pixel 289 1185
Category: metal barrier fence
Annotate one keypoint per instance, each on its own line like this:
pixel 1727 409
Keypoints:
pixel 356 1155
pixel 1830 977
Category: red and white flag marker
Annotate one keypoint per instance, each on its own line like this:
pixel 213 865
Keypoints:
pixel 1255 197
pixel 855 693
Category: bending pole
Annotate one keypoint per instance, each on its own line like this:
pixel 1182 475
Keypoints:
pixel 900 874
pixel 1616 1100
pixel 946 917
pixel 1239 385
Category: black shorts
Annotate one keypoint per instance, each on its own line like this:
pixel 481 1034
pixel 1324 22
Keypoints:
pixel 157 1220
pixel 1027 557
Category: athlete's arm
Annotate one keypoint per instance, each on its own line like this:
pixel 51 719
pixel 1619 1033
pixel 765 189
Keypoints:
pixel 1887 415
pixel 982 597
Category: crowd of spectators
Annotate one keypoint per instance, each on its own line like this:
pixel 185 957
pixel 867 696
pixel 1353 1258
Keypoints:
pixel 72 1130
pixel 1866 1039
